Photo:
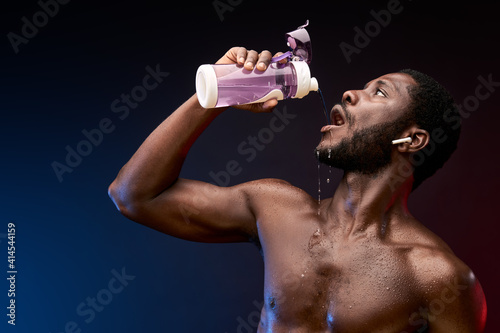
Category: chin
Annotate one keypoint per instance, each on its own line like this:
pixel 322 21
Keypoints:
pixel 324 145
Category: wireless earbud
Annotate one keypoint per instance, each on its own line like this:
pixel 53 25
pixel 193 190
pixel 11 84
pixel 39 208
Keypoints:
pixel 404 140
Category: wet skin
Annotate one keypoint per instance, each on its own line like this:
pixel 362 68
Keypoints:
pixel 325 273
pixel 358 262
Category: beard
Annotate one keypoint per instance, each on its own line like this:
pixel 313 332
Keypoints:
pixel 367 151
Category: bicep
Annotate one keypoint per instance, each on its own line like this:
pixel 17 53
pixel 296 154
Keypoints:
pixel 201 212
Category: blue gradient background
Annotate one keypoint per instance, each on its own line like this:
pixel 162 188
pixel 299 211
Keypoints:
pixel 69 234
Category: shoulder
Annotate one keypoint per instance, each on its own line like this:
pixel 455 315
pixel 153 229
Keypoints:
pixel 432 260
pixel 436 267
pixel 450 292
pixel 277 193
pixel 272 187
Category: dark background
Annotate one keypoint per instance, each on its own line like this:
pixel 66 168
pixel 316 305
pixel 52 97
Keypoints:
pixel 69 234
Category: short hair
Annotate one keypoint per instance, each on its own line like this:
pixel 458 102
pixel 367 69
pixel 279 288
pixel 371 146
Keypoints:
pixel 433 107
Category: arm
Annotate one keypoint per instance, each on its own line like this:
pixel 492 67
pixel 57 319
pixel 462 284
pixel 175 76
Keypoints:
pixel 148 190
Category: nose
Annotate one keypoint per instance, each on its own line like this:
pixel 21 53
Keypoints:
pixel 350 97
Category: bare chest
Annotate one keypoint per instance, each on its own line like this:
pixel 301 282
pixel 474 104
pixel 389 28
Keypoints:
pixel 324 283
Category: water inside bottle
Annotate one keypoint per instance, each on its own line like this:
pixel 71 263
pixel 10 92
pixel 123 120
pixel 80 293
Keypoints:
pixel 239 86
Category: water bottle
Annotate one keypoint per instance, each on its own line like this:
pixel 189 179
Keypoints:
pixel 227 85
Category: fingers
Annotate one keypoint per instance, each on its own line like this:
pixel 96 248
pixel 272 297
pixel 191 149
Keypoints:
pixel 264 60
pixel 241 55
pixel 282 61
pixel 250 59
pixel 255 60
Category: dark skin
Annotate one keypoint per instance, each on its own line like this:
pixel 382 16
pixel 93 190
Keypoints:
pixel 358 262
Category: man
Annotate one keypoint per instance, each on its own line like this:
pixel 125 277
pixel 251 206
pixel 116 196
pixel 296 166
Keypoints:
pixel 356 262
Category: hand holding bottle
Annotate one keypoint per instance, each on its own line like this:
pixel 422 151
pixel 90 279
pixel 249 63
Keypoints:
pixel 258 80
pixel 251 60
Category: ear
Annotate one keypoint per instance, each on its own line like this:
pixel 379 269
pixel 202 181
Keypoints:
pixel 419 139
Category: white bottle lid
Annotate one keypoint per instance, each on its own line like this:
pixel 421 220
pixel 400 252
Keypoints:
pixel 206 86
pixel 305 83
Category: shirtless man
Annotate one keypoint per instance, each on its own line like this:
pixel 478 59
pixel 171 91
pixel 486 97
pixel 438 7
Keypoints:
pixel 357 262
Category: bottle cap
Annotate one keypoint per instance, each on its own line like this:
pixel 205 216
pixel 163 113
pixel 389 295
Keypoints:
pixel 300 43
pixel 314 86
pixel 305 83
pixel 206 86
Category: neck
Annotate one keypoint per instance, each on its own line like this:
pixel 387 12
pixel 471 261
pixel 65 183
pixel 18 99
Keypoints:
pixel 371 202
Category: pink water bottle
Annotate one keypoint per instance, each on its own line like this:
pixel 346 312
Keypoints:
pixel 226 85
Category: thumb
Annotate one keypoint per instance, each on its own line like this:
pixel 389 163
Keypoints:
pixel 270 104
pixel 267 106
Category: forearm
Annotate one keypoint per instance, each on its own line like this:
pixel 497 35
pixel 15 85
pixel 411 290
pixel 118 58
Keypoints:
pixel 156 165
pixel 158 161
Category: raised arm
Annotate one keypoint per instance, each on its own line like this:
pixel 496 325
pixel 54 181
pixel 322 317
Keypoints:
pixel 148 190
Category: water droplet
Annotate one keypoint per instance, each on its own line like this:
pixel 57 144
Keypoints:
pixel 319 185
pixel 329 166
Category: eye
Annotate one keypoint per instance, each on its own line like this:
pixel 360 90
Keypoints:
pixel 380 93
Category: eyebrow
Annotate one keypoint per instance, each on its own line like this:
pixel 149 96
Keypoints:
pixel 383 83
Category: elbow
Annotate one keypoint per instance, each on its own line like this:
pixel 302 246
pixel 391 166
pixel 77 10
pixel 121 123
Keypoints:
pixel 123 200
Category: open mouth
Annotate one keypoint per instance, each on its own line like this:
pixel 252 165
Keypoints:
pixel 338 119
pixel 336 116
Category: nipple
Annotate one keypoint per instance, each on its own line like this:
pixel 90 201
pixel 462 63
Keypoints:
pixel 272 302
